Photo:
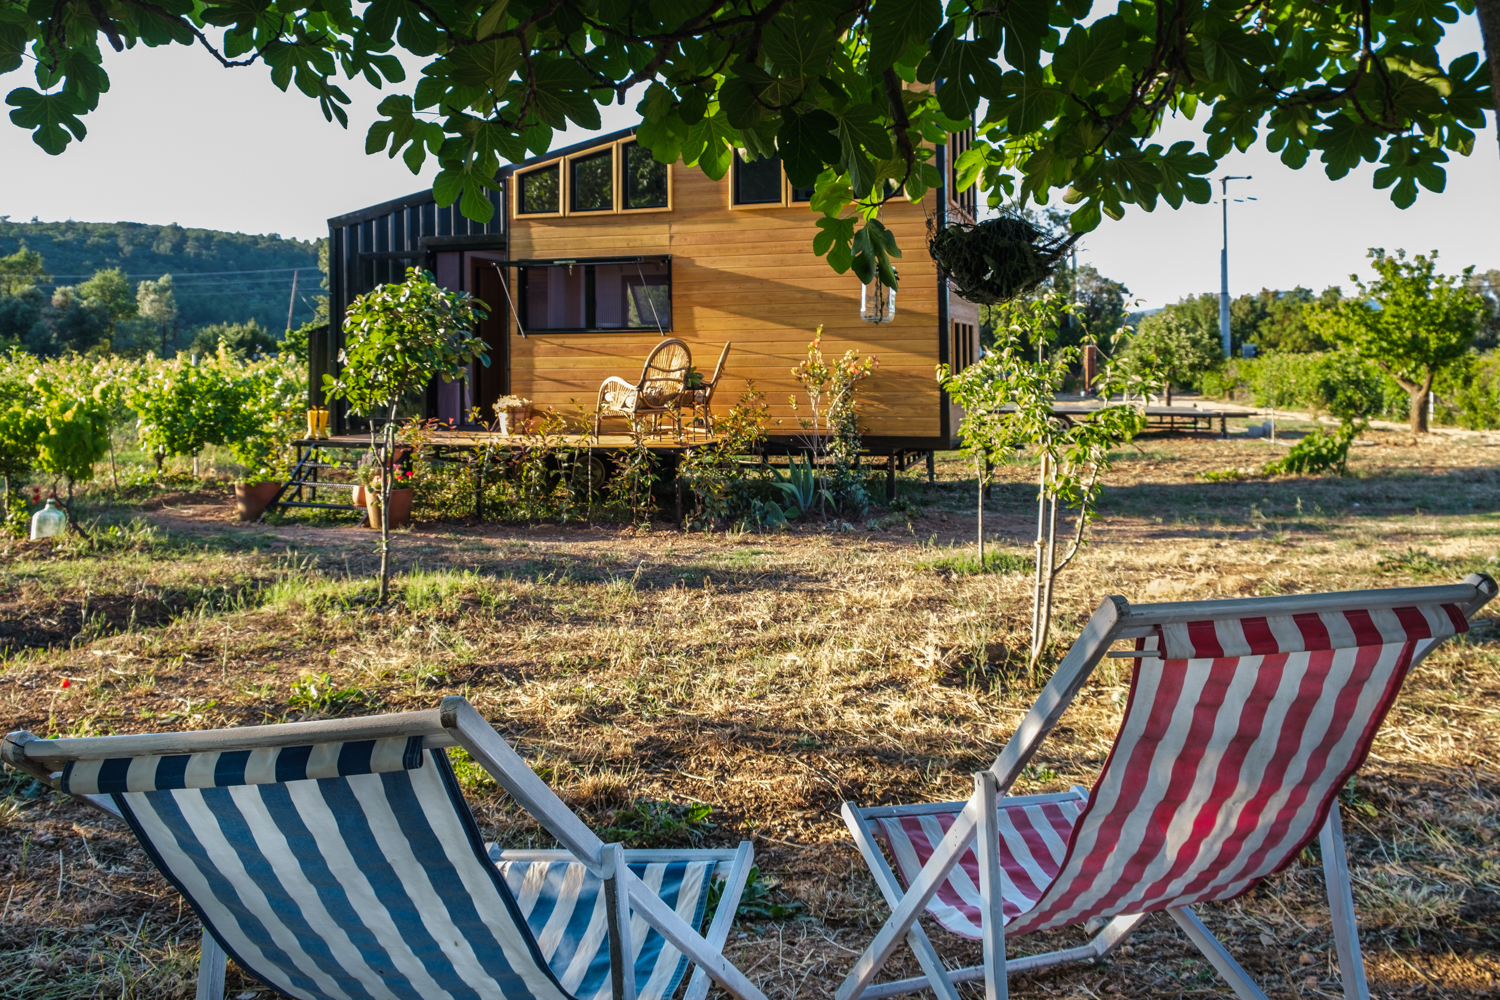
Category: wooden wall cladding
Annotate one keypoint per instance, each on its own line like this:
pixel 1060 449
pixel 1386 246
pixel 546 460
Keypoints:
pixel 748 276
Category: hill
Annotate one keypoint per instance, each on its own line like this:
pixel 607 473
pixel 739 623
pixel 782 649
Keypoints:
pixel 219 277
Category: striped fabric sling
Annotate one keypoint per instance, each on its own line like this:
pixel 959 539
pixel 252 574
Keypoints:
pixel 346 871
pixel 1231 748
pixel 1244 720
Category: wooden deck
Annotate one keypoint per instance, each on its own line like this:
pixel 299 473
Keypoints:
pixel 494 439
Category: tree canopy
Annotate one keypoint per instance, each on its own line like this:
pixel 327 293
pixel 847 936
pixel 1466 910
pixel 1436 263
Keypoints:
pixel 853 95
pixel 1411 321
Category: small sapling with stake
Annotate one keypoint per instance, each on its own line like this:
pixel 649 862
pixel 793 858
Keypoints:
pixel 400 337
pixel 1009 398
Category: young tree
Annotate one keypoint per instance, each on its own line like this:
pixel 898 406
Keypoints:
pixel 849 94
pixel 399 338
pixel 157 302
pixel 1411 321
pixel 1008 399
pixel 1178 348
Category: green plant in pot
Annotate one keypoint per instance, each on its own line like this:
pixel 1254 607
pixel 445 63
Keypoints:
pixel 398 338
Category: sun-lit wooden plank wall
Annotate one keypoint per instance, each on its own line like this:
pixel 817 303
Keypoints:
pixel 746 275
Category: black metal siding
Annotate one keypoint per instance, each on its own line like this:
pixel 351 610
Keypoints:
pixel 374 246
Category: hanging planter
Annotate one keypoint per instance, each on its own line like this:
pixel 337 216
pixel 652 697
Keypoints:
pixel 998 259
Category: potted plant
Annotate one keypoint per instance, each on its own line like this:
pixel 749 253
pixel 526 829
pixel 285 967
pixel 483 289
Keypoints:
pixel 514 414
pixel 400 499
pixel 998 259
pixel 255 494
pixel 398 338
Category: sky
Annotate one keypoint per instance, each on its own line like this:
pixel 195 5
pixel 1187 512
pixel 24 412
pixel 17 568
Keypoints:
pixel 179 139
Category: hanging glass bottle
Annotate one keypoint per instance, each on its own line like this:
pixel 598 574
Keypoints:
pixel 877 303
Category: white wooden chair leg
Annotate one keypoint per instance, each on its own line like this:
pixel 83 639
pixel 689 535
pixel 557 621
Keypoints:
pixel 718 931
pixel 1238 979
pixel 617 906
pixel 1341 906
pixel 904 915
pixel 937 974
pixel 991 898
pixel 211 968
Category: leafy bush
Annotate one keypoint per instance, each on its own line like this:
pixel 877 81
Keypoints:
pixel 1469 392
pixel 833 429
pixel 1318 453
pixel 724 488
pixel 1180 350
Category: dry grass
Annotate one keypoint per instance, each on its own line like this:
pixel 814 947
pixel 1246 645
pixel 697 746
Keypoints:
pixel 770 676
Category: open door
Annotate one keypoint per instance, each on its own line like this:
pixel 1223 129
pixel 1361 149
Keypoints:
pixel 493 382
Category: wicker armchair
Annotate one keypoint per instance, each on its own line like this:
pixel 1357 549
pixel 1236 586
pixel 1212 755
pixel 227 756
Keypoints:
pixel 659 390
pixel 698 399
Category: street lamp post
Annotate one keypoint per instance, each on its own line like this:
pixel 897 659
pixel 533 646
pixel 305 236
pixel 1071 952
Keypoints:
pixel 1224 262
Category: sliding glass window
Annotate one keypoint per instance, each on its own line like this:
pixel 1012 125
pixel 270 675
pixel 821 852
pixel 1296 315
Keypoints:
pixel 582 297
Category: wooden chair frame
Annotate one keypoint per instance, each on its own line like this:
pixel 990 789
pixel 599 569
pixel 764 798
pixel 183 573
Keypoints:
pixel 702 397
pixel 454 723
pixel 1114 619
pixel 636 405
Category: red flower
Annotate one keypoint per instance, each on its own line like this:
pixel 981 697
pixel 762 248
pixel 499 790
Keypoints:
pixel 67 683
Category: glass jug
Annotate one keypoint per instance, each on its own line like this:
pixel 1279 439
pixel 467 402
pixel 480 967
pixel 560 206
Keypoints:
pixel 48 521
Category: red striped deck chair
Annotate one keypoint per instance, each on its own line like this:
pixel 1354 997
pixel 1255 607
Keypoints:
pixel 1245 719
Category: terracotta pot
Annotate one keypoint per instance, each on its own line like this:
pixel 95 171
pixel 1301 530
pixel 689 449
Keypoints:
pixel 400 506
pixel 361 497
pixel 250 499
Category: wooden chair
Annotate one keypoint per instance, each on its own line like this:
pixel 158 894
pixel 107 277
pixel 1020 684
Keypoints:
pixel 659 390
pixel 338 859
pixel 700 399
pixel 1245 719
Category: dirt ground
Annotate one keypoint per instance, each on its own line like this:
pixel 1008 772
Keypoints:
pixel 770 676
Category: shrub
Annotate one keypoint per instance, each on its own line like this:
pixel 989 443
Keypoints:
pixel 723 487
pixel 1469 392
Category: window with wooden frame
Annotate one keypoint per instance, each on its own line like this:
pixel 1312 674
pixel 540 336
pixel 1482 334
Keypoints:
pixel 965 346
pixel 645 182
pixel 591 182
pixel 539 191
pixel 756 183
pixel 966 201
pixel 619 177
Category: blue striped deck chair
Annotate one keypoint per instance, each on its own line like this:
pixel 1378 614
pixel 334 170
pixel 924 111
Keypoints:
pixel 337 860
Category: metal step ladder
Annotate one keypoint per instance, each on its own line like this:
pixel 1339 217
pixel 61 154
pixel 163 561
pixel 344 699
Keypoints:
pixel 304 477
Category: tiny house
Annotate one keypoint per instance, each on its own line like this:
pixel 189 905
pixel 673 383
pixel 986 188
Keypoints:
pixel 597 252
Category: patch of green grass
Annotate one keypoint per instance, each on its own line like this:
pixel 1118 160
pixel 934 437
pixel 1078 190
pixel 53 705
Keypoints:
pixel 472 777
pixel 649 823
pixel 317 694
pixel 967 562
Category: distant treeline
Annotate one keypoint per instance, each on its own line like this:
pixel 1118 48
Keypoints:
pixel 218 277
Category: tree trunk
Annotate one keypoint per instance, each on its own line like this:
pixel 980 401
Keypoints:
pixel 1044 625
pixel 1488 12
pixel 979 468
pixel 388 469
pixel 1041 536
pixel 1417 416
